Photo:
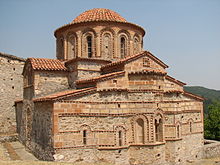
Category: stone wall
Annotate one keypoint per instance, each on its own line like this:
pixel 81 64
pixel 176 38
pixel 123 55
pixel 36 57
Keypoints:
pixel 41 143
pixel 211 149
pixel 11 89
pixel 47 82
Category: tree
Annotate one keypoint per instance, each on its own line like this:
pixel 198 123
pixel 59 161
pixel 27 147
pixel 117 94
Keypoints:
pixel 212 122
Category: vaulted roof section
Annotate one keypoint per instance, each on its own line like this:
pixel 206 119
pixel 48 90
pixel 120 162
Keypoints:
pixel 46 64
pixel 99 14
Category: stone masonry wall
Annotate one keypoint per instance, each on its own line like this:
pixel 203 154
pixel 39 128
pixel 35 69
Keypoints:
pixel 11 89
pixel 41 143
pixel 46 82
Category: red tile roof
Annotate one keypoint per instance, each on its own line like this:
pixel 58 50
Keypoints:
pixel 64 94
pixel 47 64
pixel 99 14
pixel 194 96
pixel 175 81
pixel 133 57
pixel 101 78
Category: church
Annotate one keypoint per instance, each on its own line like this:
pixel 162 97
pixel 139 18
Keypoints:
pixel 105 99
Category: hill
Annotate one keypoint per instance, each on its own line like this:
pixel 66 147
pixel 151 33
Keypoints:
pixel 210 95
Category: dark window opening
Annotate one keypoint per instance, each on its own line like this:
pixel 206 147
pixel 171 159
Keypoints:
pixel 123 54
pixel 120 138
pixel 89 46
pixel 115 81
pixel 190 127
pixel 13 87
pixel 84 137
pixel 119 106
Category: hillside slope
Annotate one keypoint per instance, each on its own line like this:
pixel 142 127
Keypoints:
pixel 210 95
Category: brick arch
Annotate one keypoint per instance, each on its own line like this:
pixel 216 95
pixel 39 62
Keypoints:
pixel 120 135
pixel 146 130
pixel 136 43
pixel 190 122
pixel 107 53
pixel 159 125
pixel 127 36
pixel 86 134
pixel 88 32
pixel 69 37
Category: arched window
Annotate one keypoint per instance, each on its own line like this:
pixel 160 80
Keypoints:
pixel 60 48
pixel 120 138
pixel 158 129
pixel 84 137
pixel 136 45
pixel 89 46
pixel 106 48
pixel 71 46
pixel 123 47
pixel 140 131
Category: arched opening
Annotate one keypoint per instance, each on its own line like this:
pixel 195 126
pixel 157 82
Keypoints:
pixel 140 131
pixel 89 46
pixel 158 130
pixel 71 47
pixel 136 45
pixel 84 137
pixel 123 47
pixel 106 47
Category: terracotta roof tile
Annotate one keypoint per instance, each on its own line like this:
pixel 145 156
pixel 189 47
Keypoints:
pixel 63 94
pixel 99 14
pixel 175 81
pixel 47 64
pixel 194 96
pixel 101 78
pixel 129 58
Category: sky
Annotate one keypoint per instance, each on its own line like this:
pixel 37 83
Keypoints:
pixel 184 34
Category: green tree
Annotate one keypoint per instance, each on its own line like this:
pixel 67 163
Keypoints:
pixel 212 122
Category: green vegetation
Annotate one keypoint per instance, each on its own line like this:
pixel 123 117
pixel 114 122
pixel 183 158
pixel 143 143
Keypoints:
pixel 212 122
pixel 211 109
pixel 210 95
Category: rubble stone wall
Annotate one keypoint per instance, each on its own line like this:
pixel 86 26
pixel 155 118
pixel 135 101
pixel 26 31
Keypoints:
pixel 11 89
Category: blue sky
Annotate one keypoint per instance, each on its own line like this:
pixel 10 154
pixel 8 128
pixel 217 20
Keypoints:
pixel 185 34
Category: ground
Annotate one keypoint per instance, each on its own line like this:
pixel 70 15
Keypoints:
pixel 14 153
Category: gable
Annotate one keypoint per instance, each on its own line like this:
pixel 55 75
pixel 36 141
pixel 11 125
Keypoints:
pixel 153 61
pixel 144 63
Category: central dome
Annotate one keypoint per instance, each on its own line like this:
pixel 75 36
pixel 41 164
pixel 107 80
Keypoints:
pixel 99 14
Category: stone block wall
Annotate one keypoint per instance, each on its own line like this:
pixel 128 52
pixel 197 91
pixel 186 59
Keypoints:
pixel 47 82
pixel 11 89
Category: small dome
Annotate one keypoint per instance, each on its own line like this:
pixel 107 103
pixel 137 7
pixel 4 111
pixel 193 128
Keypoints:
pixel 99 14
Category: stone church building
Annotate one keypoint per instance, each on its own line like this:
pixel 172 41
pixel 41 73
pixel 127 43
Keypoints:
pixel 105 99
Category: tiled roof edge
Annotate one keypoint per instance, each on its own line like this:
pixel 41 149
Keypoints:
pixel 12 57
